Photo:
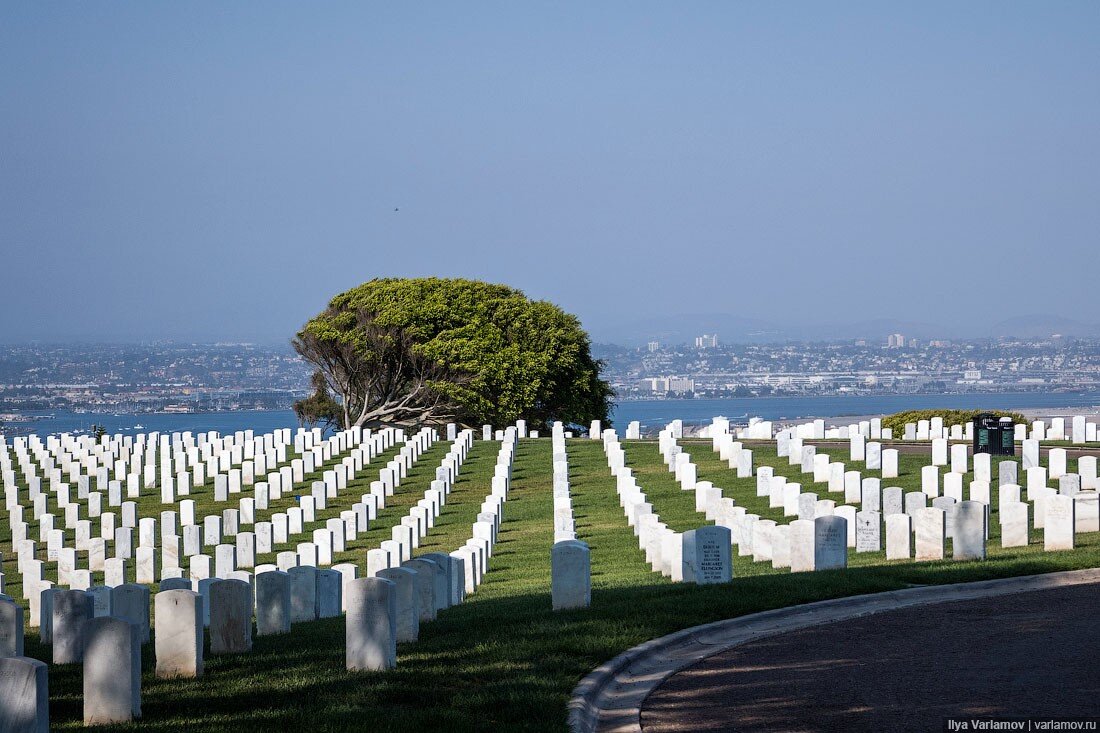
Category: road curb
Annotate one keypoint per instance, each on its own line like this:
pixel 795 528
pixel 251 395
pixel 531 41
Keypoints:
pixel 610 697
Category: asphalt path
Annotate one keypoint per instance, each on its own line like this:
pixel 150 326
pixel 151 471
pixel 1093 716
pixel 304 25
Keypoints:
pixel 1034 654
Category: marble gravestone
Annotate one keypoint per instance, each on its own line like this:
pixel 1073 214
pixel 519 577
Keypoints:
pixel 781 546
pixel 453 587
pixel 802 545
pixel 371 625
pixel 899 536
pixel 893 500
pixel 230 617
pixel 1030 452
pixel 11 629
pixel 1059 522
pixel 24 695
pixel 915 500
pixel 848 513
pixel 330 586
pixel 930 530
pixel 179 637
pixel 890 463
pixel 112 671
pixel 72 610
pixel 425 586
pixel 407 602
pixel 874 456
pixel 303 593
pixel 570 575
pixel 131 602
pixel 1014 523
pixel 707 555
pixel 868 531
pixel 968 538
pixel 807 506
pixel 830 543
pixel 871 494
pixel 930 481
pixel 273 607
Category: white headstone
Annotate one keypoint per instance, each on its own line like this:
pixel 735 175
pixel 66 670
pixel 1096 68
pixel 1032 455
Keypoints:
pixel 371 625
pixel 179 637
pixel 1014 523
pixel 968 538
pixel 707 555
pixel 1059 522
pixel 830 543
pixel 112 671
pixel 25 695
pixel 868 531
pixel 898 536
pixel 570 575
pixel 930 531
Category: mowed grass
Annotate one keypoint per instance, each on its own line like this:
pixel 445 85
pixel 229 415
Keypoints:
pixel 503 660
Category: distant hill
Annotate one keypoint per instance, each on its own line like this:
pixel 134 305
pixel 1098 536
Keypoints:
pixel 683 328
pixel 874 330
pixel 1042 326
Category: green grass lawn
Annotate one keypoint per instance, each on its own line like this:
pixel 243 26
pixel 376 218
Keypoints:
pixel 503 659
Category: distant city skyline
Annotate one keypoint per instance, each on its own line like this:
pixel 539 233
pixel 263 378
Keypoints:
pixel 195 378
pixel 672 330
pixel 218 172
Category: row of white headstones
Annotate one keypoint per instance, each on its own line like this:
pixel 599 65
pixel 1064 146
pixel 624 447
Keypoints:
pixel 822 531
pixel 1081 431
pixel 570 558
pixel 700 556
pixel 386 606
pixel 208 530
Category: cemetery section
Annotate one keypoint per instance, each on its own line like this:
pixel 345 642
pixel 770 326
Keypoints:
pixel 326 581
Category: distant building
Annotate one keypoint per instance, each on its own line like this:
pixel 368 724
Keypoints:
pixel 895 341
pixel 972 375
pixel 653 346
pixel 706 341
pixel 664 385
pixel 681 384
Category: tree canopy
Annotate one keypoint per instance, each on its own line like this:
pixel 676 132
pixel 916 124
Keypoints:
pixel 429 350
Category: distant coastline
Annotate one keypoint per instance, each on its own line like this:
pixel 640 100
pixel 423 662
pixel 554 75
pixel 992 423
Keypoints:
pixel 786 407
pixel 648 412
pixel 1065 391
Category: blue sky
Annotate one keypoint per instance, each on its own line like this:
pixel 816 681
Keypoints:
pixel 218 171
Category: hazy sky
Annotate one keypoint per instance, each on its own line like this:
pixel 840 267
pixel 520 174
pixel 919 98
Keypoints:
pixel 219 170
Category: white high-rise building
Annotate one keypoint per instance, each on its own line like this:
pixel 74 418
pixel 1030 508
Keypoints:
pixel 681 384
pixel 706 341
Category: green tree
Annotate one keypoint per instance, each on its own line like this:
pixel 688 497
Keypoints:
pixel 319 407
pixel 412 351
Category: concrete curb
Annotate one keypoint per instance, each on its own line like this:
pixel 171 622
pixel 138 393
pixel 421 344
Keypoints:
pixel 610 698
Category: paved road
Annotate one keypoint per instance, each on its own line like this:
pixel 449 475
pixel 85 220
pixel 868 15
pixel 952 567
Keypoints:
pixel 1027 654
